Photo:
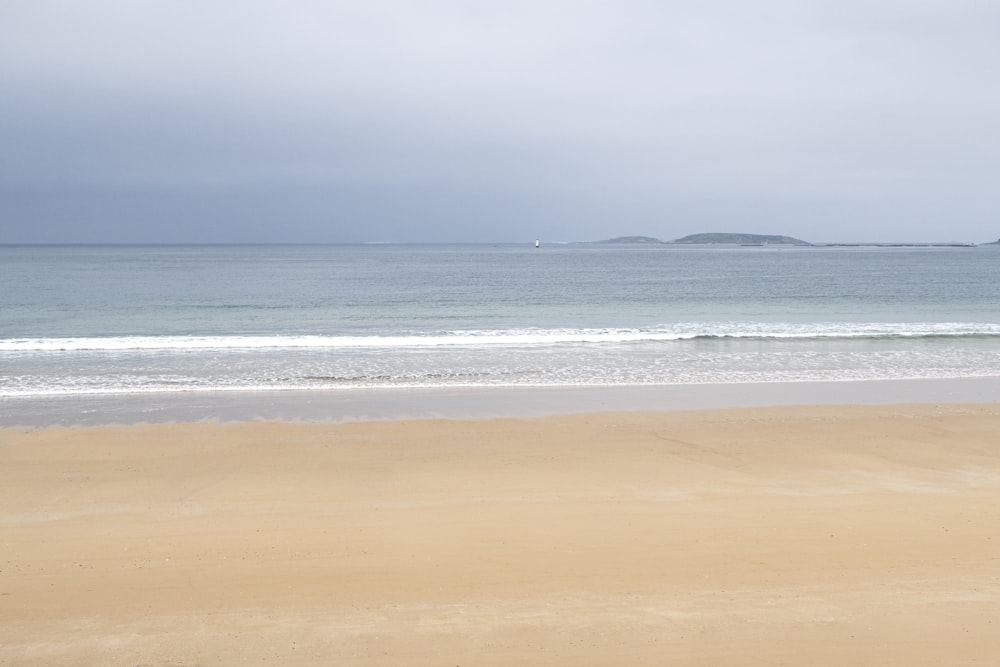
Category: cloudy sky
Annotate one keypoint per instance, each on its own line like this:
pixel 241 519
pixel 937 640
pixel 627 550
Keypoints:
pixel 448 120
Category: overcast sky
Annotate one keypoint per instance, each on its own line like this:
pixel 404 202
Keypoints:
pixel 402 121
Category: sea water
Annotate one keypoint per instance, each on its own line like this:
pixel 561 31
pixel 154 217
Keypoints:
pixel 128 320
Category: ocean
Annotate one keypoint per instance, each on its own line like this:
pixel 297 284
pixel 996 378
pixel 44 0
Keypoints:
pixel 144 320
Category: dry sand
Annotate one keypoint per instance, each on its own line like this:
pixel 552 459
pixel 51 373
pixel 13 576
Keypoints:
pixel 820 536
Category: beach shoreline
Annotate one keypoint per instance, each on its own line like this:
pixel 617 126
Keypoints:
pixel 827 534
pixel 477 402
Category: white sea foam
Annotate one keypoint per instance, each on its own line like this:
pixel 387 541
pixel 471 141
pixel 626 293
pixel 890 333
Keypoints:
pixel 750 378
pixel 512 337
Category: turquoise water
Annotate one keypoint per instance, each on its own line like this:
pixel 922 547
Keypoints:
pixel 82 320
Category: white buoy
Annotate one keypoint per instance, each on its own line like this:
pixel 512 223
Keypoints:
pixel 537 243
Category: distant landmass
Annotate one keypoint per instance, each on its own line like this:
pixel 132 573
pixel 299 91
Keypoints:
pixel 772 239
pixel 633 239
pixel 744 239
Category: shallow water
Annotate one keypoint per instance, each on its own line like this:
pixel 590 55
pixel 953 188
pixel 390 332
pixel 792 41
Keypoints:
pixel 127 320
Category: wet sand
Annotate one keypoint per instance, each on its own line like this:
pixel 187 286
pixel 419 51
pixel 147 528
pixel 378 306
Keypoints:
pixel 384 404
pixel 823 535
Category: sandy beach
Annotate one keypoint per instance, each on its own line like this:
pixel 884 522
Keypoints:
pixel 824 535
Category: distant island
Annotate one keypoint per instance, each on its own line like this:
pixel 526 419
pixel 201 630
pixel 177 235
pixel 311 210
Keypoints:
pixel 742 239
pixel 711 238
pixel 633 239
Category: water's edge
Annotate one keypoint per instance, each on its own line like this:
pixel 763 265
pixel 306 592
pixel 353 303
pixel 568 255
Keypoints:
pixel 335 406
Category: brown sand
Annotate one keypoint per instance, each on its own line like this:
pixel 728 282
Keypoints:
pixel 820 536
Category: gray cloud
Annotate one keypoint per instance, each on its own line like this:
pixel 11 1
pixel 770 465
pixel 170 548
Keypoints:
pixel 390 120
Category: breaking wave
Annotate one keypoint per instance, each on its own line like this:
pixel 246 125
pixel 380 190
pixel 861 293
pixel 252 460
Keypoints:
pixel 514 337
